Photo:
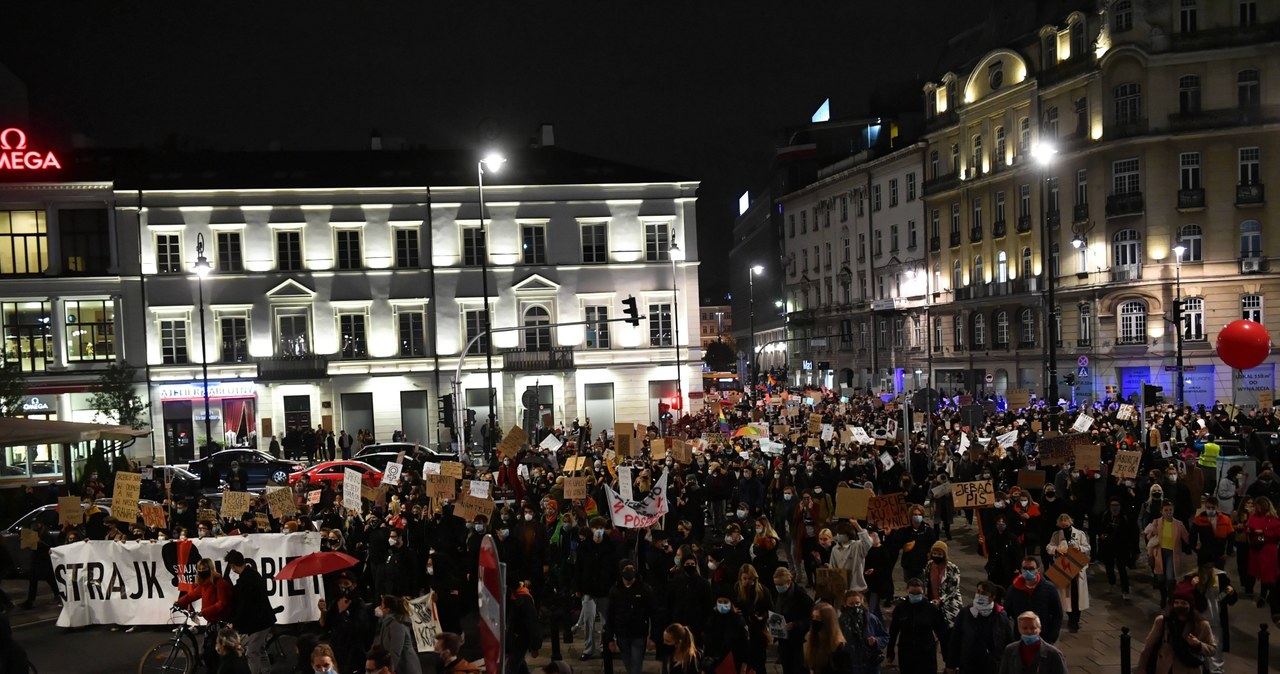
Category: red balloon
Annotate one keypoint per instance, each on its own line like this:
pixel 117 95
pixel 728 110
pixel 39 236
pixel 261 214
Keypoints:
pixel 1243 344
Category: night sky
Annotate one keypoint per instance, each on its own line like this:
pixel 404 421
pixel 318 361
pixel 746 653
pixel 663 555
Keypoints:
pixel 699 89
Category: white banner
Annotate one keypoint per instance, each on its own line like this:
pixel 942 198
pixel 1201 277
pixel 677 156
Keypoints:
pixel 1006 440
pixel 426 623
pixel 639 514
pixel 135 583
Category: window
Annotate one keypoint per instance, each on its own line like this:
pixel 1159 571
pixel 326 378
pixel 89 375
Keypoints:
pixel 911 235
pixel 1054 269
pixel 28 334
pixel 957 327
pixel 937 333
pixel 1133 323
pixel 657 240
pixel 827 255
pixel 1082 117
pixel 844 245
pixel 173 341
pixel 1192 319
pixel 1082 260
pixel 955 159
pixel 791 226
pixel 595 248
pixel 862 246
pixel 1054 205
pixel 474 248
pixel 884 334
pixel 1125 178
pixel 1077 40
pixel 1026 263
pixel 348 249
pixel 878 238
pixel 597 333
pixel 1086 325
pixel 294 333
pixel 168 253
pixel 289 250
pixel 1002 267
pixel 1122 16
pixel 1189 171
pixel 975 160
pixel 911 186
pixel 804 222
pixel 935 218
pixel 233 334
pixel 893 238
pixel 230 257
pixel 864 335
pixel 1250 239
pixel 1028 327
pixel 1192 237
pixel 534 244
pixel 1001 147
pixel 979 330
pixel 1128 103
pixel 826 215
pixel 844 208
pixel 1002 328
pixel 90 330
pixel 474 320
pixel 804 259
pixel 899 332
pixel 537 329
pixel 1251 308
pixel 957 275
pixel 1024 201
pixel 1187 18
pixel 861 206
pixel 995 75
pixel 24 243
pixel 1082 187
pixel 407 248
pixel 1189 94
pixel 84 237
pixel 1248 13
pixel 933 164
pixel 411 333
pixel 660 324
pixel 955 219
pixel 977 216
pixel 1248 89
pixel 1024 135
pixel 1050 50
pixel 1126 248
pixel 979 271
pixel 1250 166
pixel 875 198
pixel 893 192
pixel 1050 127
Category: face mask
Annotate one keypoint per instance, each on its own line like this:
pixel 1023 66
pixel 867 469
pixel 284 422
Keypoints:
pixel 817 490
pixel 503 533
pixel 1024 503
pixel 1031 639
pixel 939 560
pixel 759 531
pixel 598 534
pixel 782 588
pixel 528 517
pixel 723 607
pixel 480 528
pixel 731 539
pixel 691 570
pixel 628 574
pixel 379 612
pixel 787 497
pixel 793 471
pixel 1211 513
pixel 204 574
pixel 1173 478
pixel 982 601
pixel 1050 495
pixel 841 538
pixel 917 519
pixel 742 514
pixel 395 542
pixel 999 504
pixel 1001 527
pixel 915 598
pixel 1029 575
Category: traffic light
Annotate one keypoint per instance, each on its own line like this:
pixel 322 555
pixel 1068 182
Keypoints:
pixel 1069 379
pixel 677 403
pixel 630 311
pixel 1152 394
pixel 447 418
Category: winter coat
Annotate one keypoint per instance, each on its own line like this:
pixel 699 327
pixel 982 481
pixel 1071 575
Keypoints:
pixel 253 610
pixel 919 627
pixel 1051 660
pixel 948 593
pixel 1209 537
pixel 215 599
pixel 866 658
pixel 1180 537
pixel 1080 541
pixel 977 641
pixel 1158 646
pixel 397 637
pixel 631 613
pixel 1042 600
pixel 1264 534
pixel 597 568
pixel 1118 538
pixel 913 544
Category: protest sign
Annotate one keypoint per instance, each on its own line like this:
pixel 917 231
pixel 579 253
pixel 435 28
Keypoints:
pixel 828 432
pixel 885 460
pixel 512 442
pixel 368 493
pixel 777 624
pixel 550 443
pixel 392 473
pixel 851 503
pixel 426 622
pixel 1087 457
pixel 441 486
pixel 860 436
pixel 153 516
pixel 235 504
pixel 430 468
pixel 209 514
pixel 888 512
pixel 682 452
pixel 1166 450
pixel 1066 566
pixel 281 503
pixel 975 494
pixel 1017 399
pixel 813 442
pixel 1266 399
pixel 575 488
pixel 1031 479
pixel 470 507
pixel 351 482
pixel 124 500
pixel 638 514
pixel 658 449
pixel 626 485
pixel 451 469
pixel 1126 465
pixel 262 522
pixel 1007 440
pixel 575 464
pixel 815 424
pixel 1125 412
pixel 624 436
pixel 28 539
pixel 69 511
pixel 781 429
pixel 831 585
pixel 1058 449
pixel 139 580
pixel 479 488
pixel 1082 424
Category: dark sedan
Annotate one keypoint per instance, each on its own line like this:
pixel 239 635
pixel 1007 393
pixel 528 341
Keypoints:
pixel 262 468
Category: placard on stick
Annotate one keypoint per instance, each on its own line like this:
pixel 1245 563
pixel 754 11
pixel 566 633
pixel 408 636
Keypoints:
pixel 1126 465
pixel 153 516
pixel 975 494
pixel 575 488
pixel 851 503
pixel 1031 479
pixel 69 511
pixel 124 500
pixel 441 486
pixel 888 512
pixel 451 469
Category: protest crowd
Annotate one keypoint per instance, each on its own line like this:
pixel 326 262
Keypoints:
pixel 811 530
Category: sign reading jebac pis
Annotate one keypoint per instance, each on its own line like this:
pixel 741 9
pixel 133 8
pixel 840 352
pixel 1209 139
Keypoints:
pixel 16 156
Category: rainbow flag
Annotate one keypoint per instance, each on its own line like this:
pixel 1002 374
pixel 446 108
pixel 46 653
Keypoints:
pixel 724 422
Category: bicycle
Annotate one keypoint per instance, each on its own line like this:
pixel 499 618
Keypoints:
pixel 179 654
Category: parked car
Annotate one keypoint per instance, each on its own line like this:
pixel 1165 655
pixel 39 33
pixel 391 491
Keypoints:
pixel 332 472
pixel 379 461
pixel 262 468
pixel 420 453
pixel 184 482
pixel 12 536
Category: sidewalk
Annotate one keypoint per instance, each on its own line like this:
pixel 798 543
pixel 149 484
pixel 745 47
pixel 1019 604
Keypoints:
pixel 46 605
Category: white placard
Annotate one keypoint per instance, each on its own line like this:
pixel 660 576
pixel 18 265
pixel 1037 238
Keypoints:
pixel 639 514
pixel 624 483
pixel 1125 412
pixel 860 436
pixel 392 474
pixel 430 468
pixel 480 488
pixel 828 432
pixel 886 461
pixel 1007 440
pixel 351 490
pixel 426 622
pixel 1082 424
pixel 964 442
pixel 550 443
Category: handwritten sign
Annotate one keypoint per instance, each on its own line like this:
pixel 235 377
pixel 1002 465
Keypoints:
pixel 1017 399
pixel 624 436
pixel 658 449
pixel 207 515
pixel 351 483
pixel 479 488
pixel 469 508
pixel 1266 399
pixel 682 452
pixel 153 516
pixel 261 522
pixel 976 494
pixel 512 442
pixel 1125 412
pixel 1087 457
pixel 281 503
pixel 235 503
pixel 1082 424
pixel 575 464
pixel 1058 449
pixel 888 512
pixel 1126 465
pixel 441 486
pixel 1031 479
pixel 575 488
pixel 1068 565
pixel 851 503
pixel 451 469
pixel 69 511
pixel 124 500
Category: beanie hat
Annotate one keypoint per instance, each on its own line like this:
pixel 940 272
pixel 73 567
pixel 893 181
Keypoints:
pixel 940 547
pixel 1185 592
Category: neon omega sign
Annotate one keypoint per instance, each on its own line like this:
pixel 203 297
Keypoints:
pixel 15 156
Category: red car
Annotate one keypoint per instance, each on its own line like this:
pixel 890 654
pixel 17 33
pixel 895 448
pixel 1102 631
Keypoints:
pixel 331 472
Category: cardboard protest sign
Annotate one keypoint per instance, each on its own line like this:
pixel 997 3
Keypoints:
pixel 575 488
pixel 851 503
pixel 281 503
pixel 512 442
pixel 1017 398
pixel 1266 399
pixel 1125 412
pixel 430 468
pixel 831 585
pixel 815 424
pixel 682 452
pixel 480 488
pixel 469 508
pixel 1036 426
pixel 351 483
pixel 813 442
pixel 1126 465
pixel 368 493
pixel 1057 450
pixel 451 469
pixel 888 512
pixel 1067 566
pixel 209 514
pixel 235 504
pixel 658 449
pixel 69 511
pixel 1082 424
pixel 575 464
pixel 153 516
pixel 262 522
pixel 124 500
pixel 441 486
pixel 1087 457
pixel 624 439
pixel 975 494
pixel 29 539
pixel 1031 479
pixel 781 429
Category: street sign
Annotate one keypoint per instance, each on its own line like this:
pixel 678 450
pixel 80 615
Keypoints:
pixel 1082 371
pixel 1083 361
pixel 1174 368
pixel 990 378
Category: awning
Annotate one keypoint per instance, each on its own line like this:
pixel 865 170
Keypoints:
pixel 19 432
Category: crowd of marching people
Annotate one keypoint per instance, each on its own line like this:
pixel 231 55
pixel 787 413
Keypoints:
pixel 751 560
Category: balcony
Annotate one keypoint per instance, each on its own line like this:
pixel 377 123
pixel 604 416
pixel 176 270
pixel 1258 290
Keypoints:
pixel 537 360
pixel 1126 129
pixel 1084 343
pixel 1121 205
pixel 942 183
pixel 1250 194
pixel 955 239
pixel 975 235
pixel 1024 224
pixel 1130 272
pixel 1080 214
pixel 942 119
pixel 1191 199
pixel 935 244
pixel 1198 120
pixel 1053 218
pixel 998 229
pixel 309 367
pixel 1253 265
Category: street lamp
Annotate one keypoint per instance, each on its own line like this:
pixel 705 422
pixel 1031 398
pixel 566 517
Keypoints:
pixel 751 305
pixel 202 269
pixel 677 255
pixel 1179 250
pixel 1044 154
pixel 493 162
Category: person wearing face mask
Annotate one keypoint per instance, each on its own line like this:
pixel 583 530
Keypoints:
pixel 688 592
pixel 1239 521
pixel 529 549
pixel 795 606
pixel 1176 490
pixel 753 601
pixel 849 554
pixel 825 650
pixel 1075 595
pixel 215 594
pixel 1210 531
pixel 1004 552
pixel 1051 506
pixel 784 513
pixel 1164 538
pixel 1180 639
pixel 913 543
pixel 751 491
pixel 727 558
pixel 1117 544
pixel 864 632
pixel 1263 529
pixel 253 613
pixel 725 635
pixel 1032 653
pixel 981 632
pixel 764 548
pixel 1031 591
pixel 719 489
pixel 394 573
pixel 395 634
pixel 448 649
pixel 942 582
pixel 596 574
pixel 631 621
pixel 523 631
pixel 917 628
pixel 323 660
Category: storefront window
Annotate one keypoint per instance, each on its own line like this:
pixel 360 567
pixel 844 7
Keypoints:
pixel 28 337
pixel 91 333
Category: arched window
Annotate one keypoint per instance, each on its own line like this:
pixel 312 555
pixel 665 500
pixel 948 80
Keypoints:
pixel 1192 238
pixel 957 275
pixel 1248 89
pixel 1133 323
pixel 1026 262
pixel 1002 267
pixel 1128 103
pixel 1250 239
pixel 1189 94
pixel 979 330
pixel 1192 319
pixel 1126 249
pixel 537 329
pixel 1028 327
pixel 1002 328
pixel 957 324
pixel 979 272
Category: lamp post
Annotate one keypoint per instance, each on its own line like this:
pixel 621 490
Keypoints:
pixel 1044 153
pixel 493 162
pixel 1179 250
pixel 202 268
pixel 751 343
pixel 677 255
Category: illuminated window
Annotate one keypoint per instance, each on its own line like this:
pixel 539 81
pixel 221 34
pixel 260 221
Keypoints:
pixel 168 254
pixel 537 328
pixel 1133 323
pixel 474 250
pixel 233 334
pixel 473 320
pixel 289 250
pixel 660 324
pixel 407 248
pixel 1002 328
pixel 595 248
pixel 293 331
pixel 90 330
pixel 173 341
pixel 598 332
pixel 1028 327
pixel 230 256
pixel 24 243
pixel 979 330
pixel 348 249
pixel 28 334
pixel 533 244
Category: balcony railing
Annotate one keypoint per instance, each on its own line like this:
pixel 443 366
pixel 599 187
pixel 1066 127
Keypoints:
pixel 1197 120
pixel 935 244
pixel 1026 284
pixel 1127 129
pixel 1085 342
pixel 955 239
pixel 1248 194
pixel 293 368
pixel 975 234
pixel 998 229
pixel 1120 205
pixel 1193 198
pixel 942 183
pixel 1080 213
pixel 1131 272
pixel 1053 218
pixel 1024 224
pixel 538 360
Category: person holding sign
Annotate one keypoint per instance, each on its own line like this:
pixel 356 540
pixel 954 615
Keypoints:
pixel 1075 596
pixel 41 565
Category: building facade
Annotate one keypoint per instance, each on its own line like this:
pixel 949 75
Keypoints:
pixel 715 324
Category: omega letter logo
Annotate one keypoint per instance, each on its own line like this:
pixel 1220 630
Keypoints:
pixel 14 155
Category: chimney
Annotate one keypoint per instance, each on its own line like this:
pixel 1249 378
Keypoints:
pixel 375 140
pixel 546 136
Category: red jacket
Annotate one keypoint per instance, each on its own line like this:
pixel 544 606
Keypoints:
pixel 215 599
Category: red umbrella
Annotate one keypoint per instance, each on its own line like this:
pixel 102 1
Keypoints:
pixel 316 564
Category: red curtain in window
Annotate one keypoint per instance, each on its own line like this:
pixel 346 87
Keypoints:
pixel 232 415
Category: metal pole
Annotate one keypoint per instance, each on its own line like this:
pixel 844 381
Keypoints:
pixel 1051 310
pixel 751 341
pixel 1177 322
pixel 675 329
pixel 204 347
pixel 491 422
